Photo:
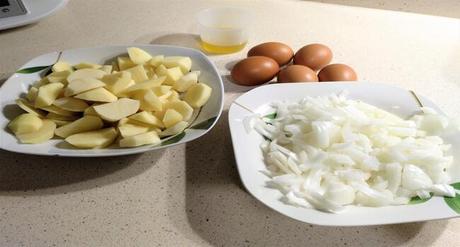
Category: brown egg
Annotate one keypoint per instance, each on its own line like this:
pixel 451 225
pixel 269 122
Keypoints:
pixel 337 72
pixel 254 70
pixel 297 73
pixel 314 56
pixel 280 52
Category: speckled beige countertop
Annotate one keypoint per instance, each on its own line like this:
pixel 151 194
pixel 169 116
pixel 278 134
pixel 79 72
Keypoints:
pixel 191 195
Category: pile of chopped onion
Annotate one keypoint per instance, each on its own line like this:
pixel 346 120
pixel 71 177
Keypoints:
pixel 329 152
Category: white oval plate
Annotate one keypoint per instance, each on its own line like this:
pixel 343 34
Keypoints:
pixel 18 83
pixel 251 166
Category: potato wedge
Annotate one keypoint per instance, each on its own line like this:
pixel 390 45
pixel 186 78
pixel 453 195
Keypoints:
pixel 150 137
pixel 25 123
pixel 138 56
pixel 186 81
pixel 175 129
pixel 32 94
pixel 28 107
pixel 148 101
pixel 43 134
pixel 198 95
pixel 86 65
pixel 118 82
pixel 61 66
pixel 60 77
pixel 84 124
pixel 125 63
pixel 182 107
pixel 149 84
pixel 86 73
pixel 97 95
pixel 58 111
pixel 47 94
pixel 82 85
pixel 138 73
pixel 171 117
pixel 147 118
pixel 71 104
pixel 93 139
pixel 132 128
pixel 117 110
pixel 184 63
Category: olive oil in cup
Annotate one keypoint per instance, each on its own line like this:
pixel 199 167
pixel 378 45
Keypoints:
pixel 223 29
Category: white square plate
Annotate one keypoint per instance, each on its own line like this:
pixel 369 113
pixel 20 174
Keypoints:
pixel 250 160
pixel 18 84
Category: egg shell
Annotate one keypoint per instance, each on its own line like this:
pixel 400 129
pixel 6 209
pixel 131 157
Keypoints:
pixel 314 56
pixel 297 73
pixel 254 70
pixel 279 52
pixel 337 72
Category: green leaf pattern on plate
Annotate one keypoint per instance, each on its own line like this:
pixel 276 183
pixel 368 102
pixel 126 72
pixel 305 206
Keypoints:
pixel 31 70
pixel 205 124
pixel 173 139
pixel 417 200
pixel 271 116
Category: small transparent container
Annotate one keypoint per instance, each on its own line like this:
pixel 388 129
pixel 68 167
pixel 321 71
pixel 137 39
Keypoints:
pixel 223 29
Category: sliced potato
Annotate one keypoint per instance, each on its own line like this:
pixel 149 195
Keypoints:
pixel 86 65
pixel 144 85
pixel 198 95
pixel 125 63
pixel 138 73
pixel 174 96
pixel 172 75
pixel 59 122
pixel 90 111
pixel 60 76
pixel 81 85
pixel 32 94
pixel 86 73
pixel 41 82
pixel 175 129
pixel 161 70
pixel 52 115
pixel 57 110
pixel 185 63
pixel 150 137
pixel 182 107
pixel 186 81
pixel 117 110
pixel 107 68
pixel 118 82
pixel 71 104
pixel 138 56
pixel 47 94
pixel 148 101
pixel 161 90
pixel 131 128
pixel 93 139
pixel 171 117
pixel 115 67
pixel 25 123
pixel 28 107
pixel 61 66
pixel 147 118
pixel 156 60
pixel 97 95
pixel 84 124
pixel 43 134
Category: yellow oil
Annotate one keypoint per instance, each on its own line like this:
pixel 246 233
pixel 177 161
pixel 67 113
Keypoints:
pixel 219 49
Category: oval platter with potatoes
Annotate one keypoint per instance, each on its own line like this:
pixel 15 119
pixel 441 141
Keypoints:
pixel 107 101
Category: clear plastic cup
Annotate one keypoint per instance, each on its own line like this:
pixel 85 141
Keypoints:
pixel 223 29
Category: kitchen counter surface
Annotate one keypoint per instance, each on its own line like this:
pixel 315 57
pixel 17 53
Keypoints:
pixel 191 195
